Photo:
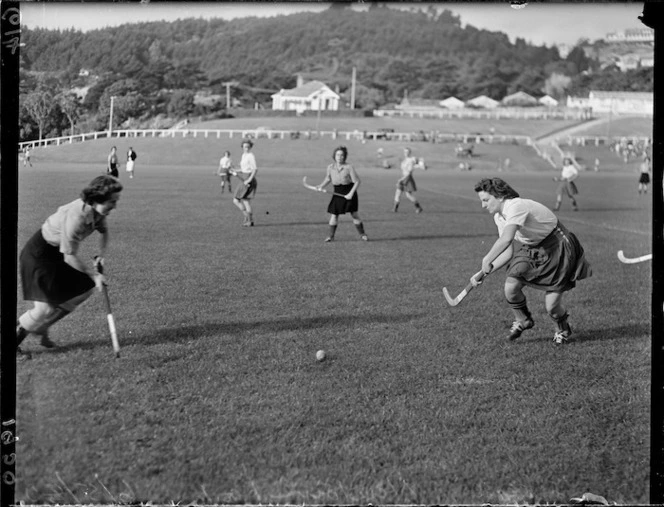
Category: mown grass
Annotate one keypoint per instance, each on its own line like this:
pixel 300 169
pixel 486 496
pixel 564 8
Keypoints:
pixel 218 398
pixel 502 126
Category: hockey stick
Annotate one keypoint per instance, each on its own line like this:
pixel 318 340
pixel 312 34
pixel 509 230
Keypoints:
pixel 109 313
pixel 479 276
pixel 311 187
pixel 626 260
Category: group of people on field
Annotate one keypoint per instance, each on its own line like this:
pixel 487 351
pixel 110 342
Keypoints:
pixel 533 245
pixel 113 163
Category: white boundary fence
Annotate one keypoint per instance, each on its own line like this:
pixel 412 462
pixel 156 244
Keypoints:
pixel 429 136
pixel 422 136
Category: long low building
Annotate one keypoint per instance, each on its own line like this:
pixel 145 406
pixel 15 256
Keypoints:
pixel 640 103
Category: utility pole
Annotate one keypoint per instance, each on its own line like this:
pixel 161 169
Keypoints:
pixel 110 119
pixel 352 90
pixel 228 85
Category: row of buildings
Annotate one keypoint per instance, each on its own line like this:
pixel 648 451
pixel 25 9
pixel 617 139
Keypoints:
pixel 317 96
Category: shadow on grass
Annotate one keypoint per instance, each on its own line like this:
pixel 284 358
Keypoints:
pixel 613 333
pixel 187 332
pixel 317 223
pixel 599 210
pixel 436 236
pixel 629 331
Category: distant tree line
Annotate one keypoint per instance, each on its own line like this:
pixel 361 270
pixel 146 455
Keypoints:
pixel 155 69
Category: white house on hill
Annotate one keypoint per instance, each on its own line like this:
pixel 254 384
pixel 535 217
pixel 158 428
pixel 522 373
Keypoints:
pixel 311 96
pixel 519 99
pixel 415 104
pixel 483 102
pixel 548 101
pixel 452 103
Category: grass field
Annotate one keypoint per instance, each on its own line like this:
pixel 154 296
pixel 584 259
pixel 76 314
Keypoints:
pixel 218 398
pixel 502 126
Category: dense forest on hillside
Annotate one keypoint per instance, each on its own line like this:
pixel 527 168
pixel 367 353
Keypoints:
pixel 157 67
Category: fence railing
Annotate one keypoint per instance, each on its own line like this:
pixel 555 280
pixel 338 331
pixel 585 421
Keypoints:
pixel 429 136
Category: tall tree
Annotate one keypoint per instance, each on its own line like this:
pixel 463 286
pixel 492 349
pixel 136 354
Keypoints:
pixel 70 105
pixel 38 105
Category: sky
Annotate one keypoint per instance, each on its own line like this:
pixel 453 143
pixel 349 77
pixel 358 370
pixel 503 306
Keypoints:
pixel 537 23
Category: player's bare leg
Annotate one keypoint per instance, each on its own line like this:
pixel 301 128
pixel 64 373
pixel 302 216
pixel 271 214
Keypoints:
pixel 250 216
pixel 397 198
pixel 553 301
pixel 357 221
pixel 411 198
pixel 334 220
pixel 240 205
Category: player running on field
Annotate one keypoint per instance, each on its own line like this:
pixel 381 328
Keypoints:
pixel 545 255
pixel 53 275
pixel 406 184
pixel 224 171
pixel 247 188
pixel 567 186
pixel 346 182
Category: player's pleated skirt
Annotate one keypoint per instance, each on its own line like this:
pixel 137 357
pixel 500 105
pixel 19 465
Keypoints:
pixel 409 185
pixel 244 191
pixel 340 205
pixel 567 188
pixel 45 276
pixel 644 178
pixel 555 264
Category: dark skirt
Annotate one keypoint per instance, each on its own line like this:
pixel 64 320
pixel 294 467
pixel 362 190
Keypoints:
pixel 554 265
pixel 46 276
pixel 113 171
pixel 567 188
pixel 408 185
pixel 244 191
pixel 340 205
pixel 644 178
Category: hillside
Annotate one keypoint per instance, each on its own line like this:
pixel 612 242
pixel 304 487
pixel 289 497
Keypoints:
pixel 442 59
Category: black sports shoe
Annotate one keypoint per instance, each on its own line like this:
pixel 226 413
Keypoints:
pixel 519 326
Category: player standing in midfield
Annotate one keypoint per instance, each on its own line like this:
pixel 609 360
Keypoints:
pixel 112 163
pixel 567 186
pixel 407 183
pixel 53 275
pixel 644 175
pixel 247 188
pixel 224 171
pixel 546 256
pixel 131 158
pixel 346 182
pixel 26 156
